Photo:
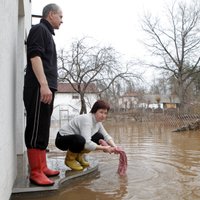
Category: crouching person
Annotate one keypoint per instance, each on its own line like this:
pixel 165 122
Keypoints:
pixel 82 134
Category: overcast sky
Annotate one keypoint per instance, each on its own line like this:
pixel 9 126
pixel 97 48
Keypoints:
pixel 109 22
pixel 112 22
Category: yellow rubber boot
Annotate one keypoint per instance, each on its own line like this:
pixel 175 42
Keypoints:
pixel 70 161
pixel 80 158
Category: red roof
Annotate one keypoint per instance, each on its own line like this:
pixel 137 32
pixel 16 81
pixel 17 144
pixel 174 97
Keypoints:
pixel 67 88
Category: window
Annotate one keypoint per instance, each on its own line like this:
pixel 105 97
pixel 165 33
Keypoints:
pixel 75 96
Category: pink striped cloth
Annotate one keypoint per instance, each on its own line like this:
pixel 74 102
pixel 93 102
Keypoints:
pixel 122 167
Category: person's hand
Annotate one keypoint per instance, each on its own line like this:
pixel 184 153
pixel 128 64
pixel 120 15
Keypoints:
pixel 45 94
pixel 116 150
pixel 109 149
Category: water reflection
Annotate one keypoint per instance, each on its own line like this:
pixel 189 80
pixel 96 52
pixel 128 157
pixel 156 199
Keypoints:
pixel 96 190
pixel 162 165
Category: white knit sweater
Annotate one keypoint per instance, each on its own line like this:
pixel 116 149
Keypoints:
pixel 86 126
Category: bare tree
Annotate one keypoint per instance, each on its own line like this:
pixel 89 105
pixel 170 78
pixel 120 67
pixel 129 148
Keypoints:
pixel 84 65
pixel 176 42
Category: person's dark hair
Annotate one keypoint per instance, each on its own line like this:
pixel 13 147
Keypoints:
pixel 100 104
pixel 48 8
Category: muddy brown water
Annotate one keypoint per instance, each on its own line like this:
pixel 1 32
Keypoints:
pixel 162 165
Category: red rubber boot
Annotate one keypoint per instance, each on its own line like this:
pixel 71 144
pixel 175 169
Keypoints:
pixel 45 169
pixel 36 174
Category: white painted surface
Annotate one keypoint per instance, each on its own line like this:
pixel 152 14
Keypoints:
pixel 12 63
pixel 66 107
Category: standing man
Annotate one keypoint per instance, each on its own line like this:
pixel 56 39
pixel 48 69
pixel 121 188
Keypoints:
pixel 40 85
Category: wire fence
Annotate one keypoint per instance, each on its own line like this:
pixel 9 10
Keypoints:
pixel 174 119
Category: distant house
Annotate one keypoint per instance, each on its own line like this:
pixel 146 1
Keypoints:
pixel 67 101
pixel 133 100
pixel 164 102
pixel 128 100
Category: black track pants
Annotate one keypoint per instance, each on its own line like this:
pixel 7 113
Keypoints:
pixel 74 143
pixel 38 118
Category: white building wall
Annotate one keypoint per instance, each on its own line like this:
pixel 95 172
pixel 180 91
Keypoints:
pixel 24 24
pixel 11 108
pixel 69 106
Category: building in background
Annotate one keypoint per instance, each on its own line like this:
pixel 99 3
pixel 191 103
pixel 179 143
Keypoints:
pixel 15 24
pixel 67 101
pixel 133 100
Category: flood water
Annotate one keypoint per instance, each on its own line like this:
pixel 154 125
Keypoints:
pixel 162 165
